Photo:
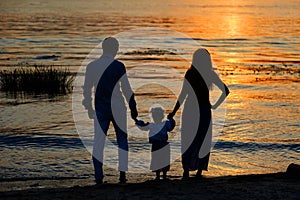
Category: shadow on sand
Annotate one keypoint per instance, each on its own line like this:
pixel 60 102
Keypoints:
pixel 261 186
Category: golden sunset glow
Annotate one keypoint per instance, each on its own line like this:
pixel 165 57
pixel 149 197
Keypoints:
pixel 50 140
pixel 233 25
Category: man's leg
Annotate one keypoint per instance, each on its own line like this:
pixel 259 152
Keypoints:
pixel 122 141
pixel 101 128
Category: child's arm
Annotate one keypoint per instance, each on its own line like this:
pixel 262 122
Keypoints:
pixel 170 124
pixel 142 125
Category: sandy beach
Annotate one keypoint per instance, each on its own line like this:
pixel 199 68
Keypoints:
pixel 260 186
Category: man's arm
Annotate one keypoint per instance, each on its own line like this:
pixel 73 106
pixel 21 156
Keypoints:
pixel 129 95
pixel 87 91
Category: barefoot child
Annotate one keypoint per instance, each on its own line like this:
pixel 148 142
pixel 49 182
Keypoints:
pixel 158 137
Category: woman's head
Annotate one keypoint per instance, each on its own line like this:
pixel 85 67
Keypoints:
pixel 202 61
pixel 203 64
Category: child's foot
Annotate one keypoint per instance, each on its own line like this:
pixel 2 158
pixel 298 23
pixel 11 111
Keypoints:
pixel 164 175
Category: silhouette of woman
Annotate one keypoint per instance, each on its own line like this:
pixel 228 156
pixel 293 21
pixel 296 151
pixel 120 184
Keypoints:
pixel 196 131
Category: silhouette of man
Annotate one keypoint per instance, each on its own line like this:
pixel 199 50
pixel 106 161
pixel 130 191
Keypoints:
pixel 108 78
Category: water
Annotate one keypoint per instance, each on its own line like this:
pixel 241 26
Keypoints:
pixel 254 44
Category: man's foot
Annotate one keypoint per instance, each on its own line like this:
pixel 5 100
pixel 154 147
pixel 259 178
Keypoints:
pixel 99 182
pixel 122 178
pixel 123 181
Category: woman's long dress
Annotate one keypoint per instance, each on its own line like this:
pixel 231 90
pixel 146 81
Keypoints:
pixel 196 122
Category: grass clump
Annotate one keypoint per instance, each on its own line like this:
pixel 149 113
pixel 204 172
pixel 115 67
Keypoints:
pixel 36 79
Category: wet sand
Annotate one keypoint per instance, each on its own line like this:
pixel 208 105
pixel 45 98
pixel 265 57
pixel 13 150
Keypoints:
pixel 260 186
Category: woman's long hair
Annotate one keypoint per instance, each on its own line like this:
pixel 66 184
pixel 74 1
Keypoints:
pixel 203 64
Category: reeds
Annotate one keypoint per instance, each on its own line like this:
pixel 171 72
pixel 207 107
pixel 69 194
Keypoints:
pixel 36 79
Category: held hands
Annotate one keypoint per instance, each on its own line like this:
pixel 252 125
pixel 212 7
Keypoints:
pixel 141 123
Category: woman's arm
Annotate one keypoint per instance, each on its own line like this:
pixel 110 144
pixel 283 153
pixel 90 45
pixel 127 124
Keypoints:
pixel 225 91
pixel 181 98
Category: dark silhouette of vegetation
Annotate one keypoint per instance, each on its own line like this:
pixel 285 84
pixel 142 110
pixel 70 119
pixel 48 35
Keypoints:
pixel 36 80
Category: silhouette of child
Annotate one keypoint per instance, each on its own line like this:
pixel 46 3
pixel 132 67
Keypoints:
pixel 158 137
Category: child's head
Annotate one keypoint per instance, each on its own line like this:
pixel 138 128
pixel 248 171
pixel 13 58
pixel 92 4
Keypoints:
pixel 158 113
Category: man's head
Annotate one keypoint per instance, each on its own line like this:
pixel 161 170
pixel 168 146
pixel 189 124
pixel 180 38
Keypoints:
pixel 110 45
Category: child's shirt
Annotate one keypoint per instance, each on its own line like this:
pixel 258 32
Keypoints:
pixel 158 131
